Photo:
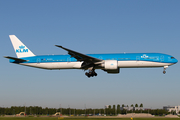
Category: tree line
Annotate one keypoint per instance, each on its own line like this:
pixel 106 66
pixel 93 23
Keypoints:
pixel 36 110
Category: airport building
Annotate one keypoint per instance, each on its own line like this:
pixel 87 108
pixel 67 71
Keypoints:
pixel 106 106
pixel 172 108
pixel 138 108
pixel 131 108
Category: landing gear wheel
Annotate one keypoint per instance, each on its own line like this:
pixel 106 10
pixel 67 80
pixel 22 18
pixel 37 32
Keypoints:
pixel 91 73
pixel 87 74
pixel 165 69
pixel 95 74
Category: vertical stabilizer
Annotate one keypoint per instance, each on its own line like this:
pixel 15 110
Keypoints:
pixel 20 49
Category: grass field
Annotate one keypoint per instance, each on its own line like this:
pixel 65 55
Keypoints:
pixel 55 118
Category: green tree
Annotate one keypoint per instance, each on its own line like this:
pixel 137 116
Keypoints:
pixel 114 107
pixel 132 105
pixel 123 111
pixel 114 110
pixel 109 110
pixel 122 105
pixel 136 105
pixel 118 109
pixel 141 105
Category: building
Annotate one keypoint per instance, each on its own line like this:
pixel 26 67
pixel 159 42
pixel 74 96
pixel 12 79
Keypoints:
pixel 106 106
pixel 131 108
pixel 128 108
pixel 138 108
pixel 172 108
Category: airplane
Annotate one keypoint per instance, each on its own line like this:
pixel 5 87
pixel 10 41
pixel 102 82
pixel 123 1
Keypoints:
pixel 111 63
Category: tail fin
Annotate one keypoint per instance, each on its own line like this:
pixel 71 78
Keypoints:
pixel 20 49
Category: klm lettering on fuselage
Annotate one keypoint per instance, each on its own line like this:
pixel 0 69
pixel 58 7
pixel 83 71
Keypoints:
pixel 21 49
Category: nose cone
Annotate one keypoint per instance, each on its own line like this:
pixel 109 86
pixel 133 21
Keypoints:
pixel 175 61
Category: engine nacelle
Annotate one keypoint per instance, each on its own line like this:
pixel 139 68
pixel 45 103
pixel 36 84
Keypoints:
pixel 111 66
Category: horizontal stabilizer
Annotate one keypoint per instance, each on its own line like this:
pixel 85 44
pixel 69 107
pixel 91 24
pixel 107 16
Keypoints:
pixel 17 59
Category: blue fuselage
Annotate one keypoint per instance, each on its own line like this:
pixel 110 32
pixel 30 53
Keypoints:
pixel 149 57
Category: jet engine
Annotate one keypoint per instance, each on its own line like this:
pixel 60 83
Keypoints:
pixel 111 66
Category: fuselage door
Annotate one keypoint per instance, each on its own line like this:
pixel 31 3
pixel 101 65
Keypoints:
pixel 38 60
pixel 137 58
pixel 68 59
pixel 162 58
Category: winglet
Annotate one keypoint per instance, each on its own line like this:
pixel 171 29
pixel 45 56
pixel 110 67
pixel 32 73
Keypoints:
pixel 59 46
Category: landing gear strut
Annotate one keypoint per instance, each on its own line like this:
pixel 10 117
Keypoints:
pixel 164 71
pixel 91 73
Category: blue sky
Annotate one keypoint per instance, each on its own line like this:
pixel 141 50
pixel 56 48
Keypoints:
pixel 96 26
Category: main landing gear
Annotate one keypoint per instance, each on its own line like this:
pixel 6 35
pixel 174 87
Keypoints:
pixel 91 73
pixel 164 71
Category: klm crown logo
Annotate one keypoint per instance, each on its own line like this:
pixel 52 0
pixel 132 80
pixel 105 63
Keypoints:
pixel 21 49
pixel 144 56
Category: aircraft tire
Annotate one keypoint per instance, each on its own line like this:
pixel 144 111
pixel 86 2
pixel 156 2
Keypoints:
pixel 95 74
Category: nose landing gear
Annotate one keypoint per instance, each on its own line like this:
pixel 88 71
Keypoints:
pixel 91 73
pixel 164 71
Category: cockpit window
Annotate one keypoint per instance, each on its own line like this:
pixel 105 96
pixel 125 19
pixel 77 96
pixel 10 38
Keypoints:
pixel 172 58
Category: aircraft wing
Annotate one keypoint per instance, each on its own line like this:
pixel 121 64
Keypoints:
pixel 80 56
pixel 17 59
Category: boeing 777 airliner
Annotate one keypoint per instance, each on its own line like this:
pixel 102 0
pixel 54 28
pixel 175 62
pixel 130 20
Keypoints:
pixel 111 63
